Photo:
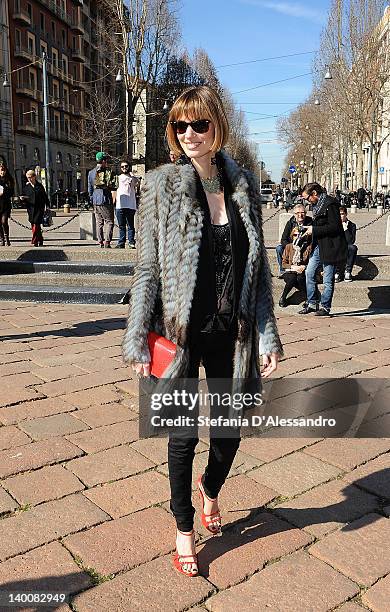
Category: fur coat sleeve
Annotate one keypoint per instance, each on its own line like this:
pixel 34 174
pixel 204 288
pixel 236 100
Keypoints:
pixel 144 288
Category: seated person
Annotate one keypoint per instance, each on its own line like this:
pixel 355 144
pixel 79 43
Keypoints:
pixel 299 219
pixel 295 258
pixel 350 235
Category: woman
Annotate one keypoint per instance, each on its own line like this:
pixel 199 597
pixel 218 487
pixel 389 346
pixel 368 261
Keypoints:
pixel 7 184
pixel 295 258
pixel 202 281
pixel 37 201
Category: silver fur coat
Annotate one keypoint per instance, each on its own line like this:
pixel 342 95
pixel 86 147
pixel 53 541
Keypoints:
pixel 170 221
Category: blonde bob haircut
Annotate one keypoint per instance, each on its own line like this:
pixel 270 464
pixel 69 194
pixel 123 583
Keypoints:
pixel 196 103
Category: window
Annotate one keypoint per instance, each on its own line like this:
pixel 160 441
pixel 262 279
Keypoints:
pixel 54 57
pixel 63 38
pixel 69 159
pixel 43 46
pixel 31 43
pixel 37 154
pixel 66 95
pixel 67 127
pixel 17 6
pixel 23 151
pixel 29 10
pixel 18 38
pixel 56 90
pixel 42 22
pixel 1 127
pixel 65 64
pixel 20 113
pixel 53 30
pixel 34 115
pixel 32 80
pixel 57 127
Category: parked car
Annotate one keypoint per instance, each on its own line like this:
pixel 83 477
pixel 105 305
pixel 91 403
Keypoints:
pixel 266 195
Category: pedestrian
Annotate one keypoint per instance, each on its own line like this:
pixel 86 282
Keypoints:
pixel 329 248
pixel 295 259
pixel 100 187
pixel 203 278
pixel 7 185
pixel 125 205
pixel 299 219
pixel 35 196
pixel 350 236
pixel 361 197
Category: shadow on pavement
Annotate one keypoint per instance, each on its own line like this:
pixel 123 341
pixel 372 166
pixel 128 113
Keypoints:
pixel 262 522
pixel 85 328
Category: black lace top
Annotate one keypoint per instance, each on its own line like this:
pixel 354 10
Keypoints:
pixel 221 318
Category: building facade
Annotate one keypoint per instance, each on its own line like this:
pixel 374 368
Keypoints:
pixel 6 123
pixel 66 31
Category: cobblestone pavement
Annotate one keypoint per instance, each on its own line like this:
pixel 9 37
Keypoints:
pixel 84 502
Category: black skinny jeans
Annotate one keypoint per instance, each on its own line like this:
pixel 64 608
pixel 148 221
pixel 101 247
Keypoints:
pixel 216 350
pixel 294 279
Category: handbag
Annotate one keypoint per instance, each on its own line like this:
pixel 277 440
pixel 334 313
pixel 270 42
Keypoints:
pixel 47 220
pixel 162 352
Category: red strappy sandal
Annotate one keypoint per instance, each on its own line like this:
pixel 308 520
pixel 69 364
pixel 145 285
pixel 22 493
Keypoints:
pixel 209 520
pixel 180 560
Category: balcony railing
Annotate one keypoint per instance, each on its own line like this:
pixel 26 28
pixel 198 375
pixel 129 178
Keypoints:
pixel 22 16
pixel 31 128
pixel 78 55
pixel 24 53
pixel 77 26
pixel 25 89
pixel 55 9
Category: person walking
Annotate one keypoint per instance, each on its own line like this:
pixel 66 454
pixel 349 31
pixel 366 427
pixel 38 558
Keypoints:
pixel 100 187
pixel 299 219
pixel 35 196
pixel 203 281
pixel 350 236
pixel 125 205
pixel 7 185
pixel 329 248
pixel 361 197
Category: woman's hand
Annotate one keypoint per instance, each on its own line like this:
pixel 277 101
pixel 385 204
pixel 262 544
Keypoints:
pixel 141 369
pixel 270 364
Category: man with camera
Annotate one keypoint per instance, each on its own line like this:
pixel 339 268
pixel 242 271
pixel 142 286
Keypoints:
pixel 329 248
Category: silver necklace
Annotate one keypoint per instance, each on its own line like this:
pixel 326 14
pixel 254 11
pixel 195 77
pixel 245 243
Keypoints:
pixel 213 184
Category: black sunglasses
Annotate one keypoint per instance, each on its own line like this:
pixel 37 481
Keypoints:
pixel 200 126
pixel 125 166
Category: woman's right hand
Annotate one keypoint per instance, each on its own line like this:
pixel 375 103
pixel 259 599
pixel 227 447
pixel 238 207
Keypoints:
pixel 141 369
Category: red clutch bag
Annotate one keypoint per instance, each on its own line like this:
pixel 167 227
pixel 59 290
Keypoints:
pixel 162 353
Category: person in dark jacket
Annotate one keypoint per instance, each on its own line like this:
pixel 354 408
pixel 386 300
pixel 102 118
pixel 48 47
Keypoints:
pixel 329 247
pixel 7 184
pixel 350 236
pixel 35 196
pixel 299 219
pixel 361 197
pixel 101 183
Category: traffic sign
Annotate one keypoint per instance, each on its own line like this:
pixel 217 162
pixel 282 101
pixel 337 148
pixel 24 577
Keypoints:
pixel 292 169
pixel 382 170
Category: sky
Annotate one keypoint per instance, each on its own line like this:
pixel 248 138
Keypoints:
pixel 234 31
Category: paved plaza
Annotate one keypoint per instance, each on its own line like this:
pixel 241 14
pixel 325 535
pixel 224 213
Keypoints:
pixel 84 502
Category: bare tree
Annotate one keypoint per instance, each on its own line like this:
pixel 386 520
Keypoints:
pixel 142 33
pixel 101 125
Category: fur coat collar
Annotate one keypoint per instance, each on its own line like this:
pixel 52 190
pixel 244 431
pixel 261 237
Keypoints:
pixel 169 235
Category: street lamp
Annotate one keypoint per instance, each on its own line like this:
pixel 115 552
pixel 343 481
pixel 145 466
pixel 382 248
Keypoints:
pixel 328 75
pixel 317 102
pixel 6 82
pixel 119 77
